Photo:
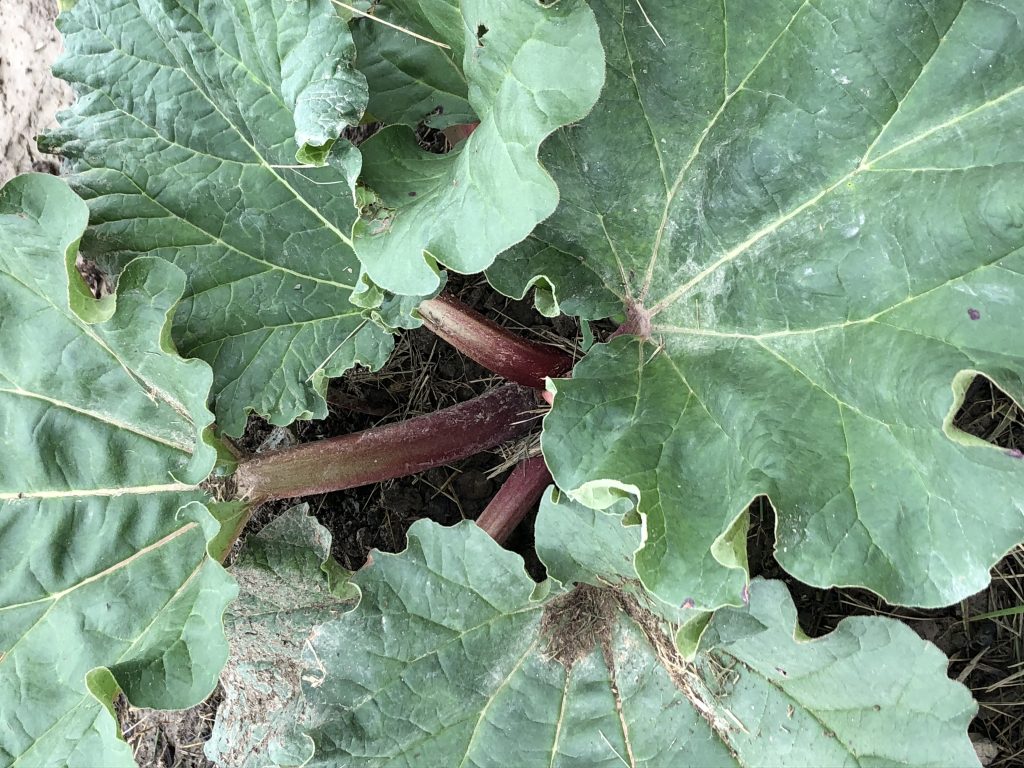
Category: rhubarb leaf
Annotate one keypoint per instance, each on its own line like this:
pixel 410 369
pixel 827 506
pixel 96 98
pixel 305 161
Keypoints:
pixel 288 584
pixel 184 141
pixel 528 68
pixel 578 544
pixel 452 659
pixel 107 582
pixel 411 82
pixel 812 218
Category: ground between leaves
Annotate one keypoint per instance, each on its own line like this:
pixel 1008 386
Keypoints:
pixel 425 374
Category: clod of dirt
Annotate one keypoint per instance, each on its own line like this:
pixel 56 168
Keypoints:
pixel 986 750
pixel 577 622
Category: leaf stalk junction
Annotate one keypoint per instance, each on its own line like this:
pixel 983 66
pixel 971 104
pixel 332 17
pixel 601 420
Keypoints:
pixel 432 440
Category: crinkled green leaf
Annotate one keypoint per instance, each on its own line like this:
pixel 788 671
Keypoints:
pixel 450 660
pixel 103 535
pixel 288 584
pixel 412 83
pixel 529 68
pixel 184 139
pixel 870 693
pixel 815 212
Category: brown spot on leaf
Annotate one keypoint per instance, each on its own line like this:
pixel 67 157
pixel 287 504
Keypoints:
pixel 577 622
pixel 684 675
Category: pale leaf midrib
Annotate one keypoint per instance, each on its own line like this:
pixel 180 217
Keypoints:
pixel 456 636
pixel 737 251
pixel 804 707
pixel 863 166
pixel 88 698
pixel 149 387
pixel 271 329
pixel 57 596
pixel 561 719
pixel 81 493
pixel 942 126
pixel 252 148
pixel 699 144
pixel 493 697
pixel 212 239
pixel 186 448
pixel 873 318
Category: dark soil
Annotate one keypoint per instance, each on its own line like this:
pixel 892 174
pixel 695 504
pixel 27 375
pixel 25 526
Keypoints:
pixel 423 375
pixel 168 739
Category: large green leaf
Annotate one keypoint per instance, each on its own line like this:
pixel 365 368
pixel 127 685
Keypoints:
pixel 288 585
pixel 103 534
pixel 525 69
pixel 184 141
pixel 812 215
pixel 452 659
pixel 412 83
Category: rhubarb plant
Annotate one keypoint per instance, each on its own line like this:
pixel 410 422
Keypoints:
pixel 804 219
pixel 809 219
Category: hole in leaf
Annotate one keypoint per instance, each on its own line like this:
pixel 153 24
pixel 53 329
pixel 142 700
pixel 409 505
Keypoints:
pixel 432 140
pixel 100 283
pixel 439 138
pixel 443 141
pixel 989 413
pixel 481 30
pixel 357 134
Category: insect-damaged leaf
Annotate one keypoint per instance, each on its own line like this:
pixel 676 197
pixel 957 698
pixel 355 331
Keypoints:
pixel 288 584
pixel 103 533
pixel 812 215
pixel 452 658
pixel 184 141
pixel 525 69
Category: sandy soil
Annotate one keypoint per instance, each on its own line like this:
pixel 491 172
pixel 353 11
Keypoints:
pixel 29 96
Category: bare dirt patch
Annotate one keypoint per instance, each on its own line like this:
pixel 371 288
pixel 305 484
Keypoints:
pixel 29 95
pixel 168 739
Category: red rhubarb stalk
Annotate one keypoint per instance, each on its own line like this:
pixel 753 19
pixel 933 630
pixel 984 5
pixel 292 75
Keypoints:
pixel 495 348
pixel 393 450
pixel 516 498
